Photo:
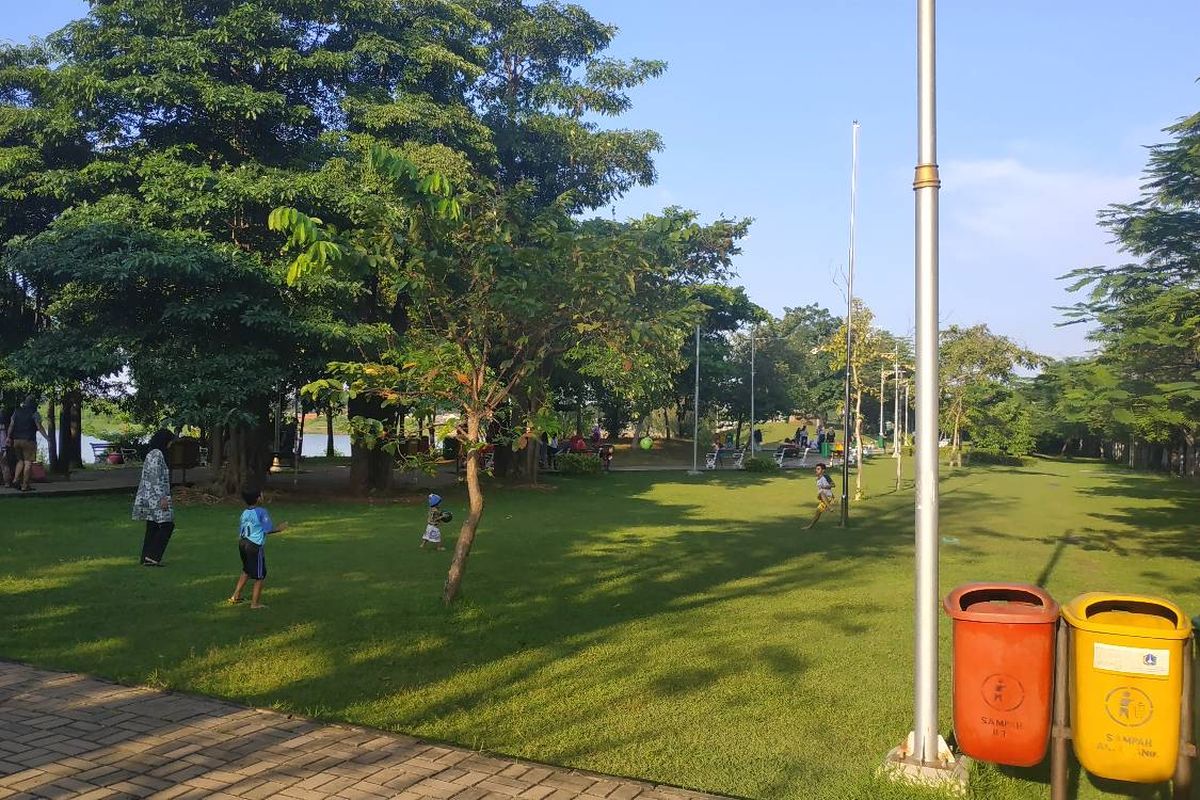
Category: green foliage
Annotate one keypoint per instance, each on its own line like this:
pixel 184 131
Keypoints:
pixel 200 328
pixel 1146 313
pixel 545 82
pixel 977 369
pixel 1003 423
pixel 760 464
pixel 578 464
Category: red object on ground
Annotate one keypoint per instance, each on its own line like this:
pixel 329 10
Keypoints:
pixel 1003 670
pixel 115 458
pixel 37 472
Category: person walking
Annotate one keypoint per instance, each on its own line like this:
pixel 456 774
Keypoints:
pixel 23 428
pixel 153 500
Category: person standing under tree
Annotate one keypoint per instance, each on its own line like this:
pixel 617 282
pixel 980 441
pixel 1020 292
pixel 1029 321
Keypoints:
pixel 153 500
pixel 23 428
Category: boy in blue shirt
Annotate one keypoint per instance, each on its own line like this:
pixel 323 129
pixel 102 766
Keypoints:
pixel 253 529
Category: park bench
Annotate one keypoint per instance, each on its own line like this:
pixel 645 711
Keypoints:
pixel 101 451
pixel 784 452
pixel 716 458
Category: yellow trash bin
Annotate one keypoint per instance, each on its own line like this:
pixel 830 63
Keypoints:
pixel 1126 684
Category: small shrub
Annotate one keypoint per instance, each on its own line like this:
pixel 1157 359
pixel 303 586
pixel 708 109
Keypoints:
pixel 760 464
pixel 994 458
pixel 578 464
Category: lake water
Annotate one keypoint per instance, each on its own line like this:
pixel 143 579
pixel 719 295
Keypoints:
pixel 314 445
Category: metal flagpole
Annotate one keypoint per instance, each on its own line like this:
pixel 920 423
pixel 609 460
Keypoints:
pixel 696 411
pixel 849 330
pixel 926 185
pixel 753 337
pixel 925 756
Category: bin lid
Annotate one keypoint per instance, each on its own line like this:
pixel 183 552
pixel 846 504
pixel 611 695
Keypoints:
pixel 1018 603
pixel 1128 615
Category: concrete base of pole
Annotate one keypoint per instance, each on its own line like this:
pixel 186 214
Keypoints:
pixel 948 774
pixel 694 472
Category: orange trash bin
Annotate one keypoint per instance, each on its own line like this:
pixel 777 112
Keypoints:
pixel 1003 671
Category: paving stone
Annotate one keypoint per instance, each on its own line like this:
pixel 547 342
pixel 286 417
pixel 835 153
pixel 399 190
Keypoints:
pixel 67 735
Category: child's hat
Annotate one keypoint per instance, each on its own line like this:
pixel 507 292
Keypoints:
pixel 434 499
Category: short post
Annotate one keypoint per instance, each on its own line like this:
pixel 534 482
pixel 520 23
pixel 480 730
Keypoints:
pixel 1060 731
pixel 1182 788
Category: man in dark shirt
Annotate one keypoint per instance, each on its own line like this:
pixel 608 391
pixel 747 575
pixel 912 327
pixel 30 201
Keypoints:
pixel 23 428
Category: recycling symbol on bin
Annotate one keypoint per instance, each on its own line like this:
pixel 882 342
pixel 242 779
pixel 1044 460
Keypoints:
pixel 1129 706
pixel 1003 692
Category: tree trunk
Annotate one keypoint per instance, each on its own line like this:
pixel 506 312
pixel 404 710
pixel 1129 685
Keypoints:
pixel 858 472
pixel 680 419
pixel 737 436
pixel 70 434
pixel 466 535
pixel 216 452
pixel 51 437
pixel 667 423
pixel 956 441
pixel 533 446
pixel 502 455
pixel 899 460
pixel 330 450
pixel 370 467
pixel 247 459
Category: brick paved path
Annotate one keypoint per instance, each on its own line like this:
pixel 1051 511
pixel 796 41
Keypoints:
pixel 66 735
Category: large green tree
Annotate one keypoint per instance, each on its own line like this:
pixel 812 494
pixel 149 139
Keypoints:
pixel 974 363
pixel 203 116
pixel 1146 312
pixel 500 286
pixel 205 332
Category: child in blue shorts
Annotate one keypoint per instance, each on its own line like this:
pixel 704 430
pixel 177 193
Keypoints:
pixel 253 529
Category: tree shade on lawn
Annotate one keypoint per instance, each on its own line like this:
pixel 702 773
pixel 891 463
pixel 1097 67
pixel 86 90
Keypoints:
pixel 677 629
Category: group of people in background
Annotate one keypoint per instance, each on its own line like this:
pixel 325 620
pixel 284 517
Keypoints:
pixel 822 437
pixel 19 428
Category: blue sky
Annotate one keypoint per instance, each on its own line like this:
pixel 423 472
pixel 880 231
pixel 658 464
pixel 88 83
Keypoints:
pixel 1044 112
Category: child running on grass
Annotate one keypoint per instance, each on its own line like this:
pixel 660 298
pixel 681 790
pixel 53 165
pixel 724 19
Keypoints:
pixel 824 494
pixel 254 527
pixel 433 534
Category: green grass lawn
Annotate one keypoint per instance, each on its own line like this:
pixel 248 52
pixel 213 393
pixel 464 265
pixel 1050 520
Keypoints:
pixel 677 629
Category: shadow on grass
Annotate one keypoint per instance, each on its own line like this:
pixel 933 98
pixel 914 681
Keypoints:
pixel 555 581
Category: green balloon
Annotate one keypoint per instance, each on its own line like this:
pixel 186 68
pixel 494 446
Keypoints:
pixel 646 443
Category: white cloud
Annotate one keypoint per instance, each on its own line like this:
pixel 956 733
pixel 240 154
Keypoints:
pixel 1009 230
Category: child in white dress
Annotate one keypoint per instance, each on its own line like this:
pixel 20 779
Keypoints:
pixel 433 534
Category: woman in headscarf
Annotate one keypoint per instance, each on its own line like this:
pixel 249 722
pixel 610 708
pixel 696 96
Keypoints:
pixel 153 500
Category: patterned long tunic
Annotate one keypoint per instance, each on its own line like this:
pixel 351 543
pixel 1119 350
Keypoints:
pixel 155 485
